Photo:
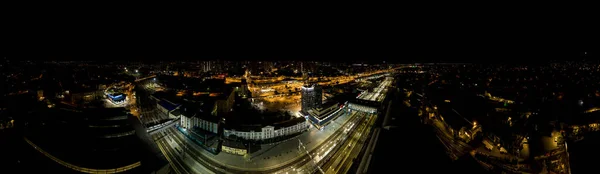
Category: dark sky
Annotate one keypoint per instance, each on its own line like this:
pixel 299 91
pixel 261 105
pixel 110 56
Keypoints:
pixel 444 38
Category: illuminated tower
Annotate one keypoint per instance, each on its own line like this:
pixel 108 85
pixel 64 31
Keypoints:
pixel 305 76
pixel 312 97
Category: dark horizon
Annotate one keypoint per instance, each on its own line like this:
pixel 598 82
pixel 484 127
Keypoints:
pixel 410 57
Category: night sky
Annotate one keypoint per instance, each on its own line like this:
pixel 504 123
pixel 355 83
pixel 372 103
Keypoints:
pixel 439 38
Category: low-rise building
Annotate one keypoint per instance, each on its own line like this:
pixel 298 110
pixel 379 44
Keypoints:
pixel 234 147
pixel 322 115
pixel 195 115
pixel 166 107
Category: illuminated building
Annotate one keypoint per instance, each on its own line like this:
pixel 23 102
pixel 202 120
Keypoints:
pixel 117 98
pixel 234 147
pixel 270 131
pixel 312 97
pixel 322 115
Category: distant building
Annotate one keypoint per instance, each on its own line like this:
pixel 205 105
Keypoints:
pixel 312 97
pixel 322 115
pixel 206 66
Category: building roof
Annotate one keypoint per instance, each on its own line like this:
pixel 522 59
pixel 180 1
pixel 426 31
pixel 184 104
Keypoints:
pixel 168 105
pixel 252 123
pixel 194 84
pixel 167 95
pixel 323 111
pixel 288 123
pixel 453 119
pixel 330 104
pixel 200 110
pixel 176 112
pixel 244 128
pixel 115 140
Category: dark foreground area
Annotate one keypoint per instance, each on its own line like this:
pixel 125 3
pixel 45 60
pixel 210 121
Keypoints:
pixel 584 154
pixel 413 146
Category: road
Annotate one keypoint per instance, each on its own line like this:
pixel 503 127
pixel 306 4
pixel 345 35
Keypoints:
pixel 149 113
pixel 176 156
pixel 455 148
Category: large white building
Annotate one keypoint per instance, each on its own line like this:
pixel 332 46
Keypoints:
pixel 205 122
pixel 269 132
pixel 191 122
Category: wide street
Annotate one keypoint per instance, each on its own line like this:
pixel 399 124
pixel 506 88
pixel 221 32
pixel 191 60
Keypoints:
pixel 343 158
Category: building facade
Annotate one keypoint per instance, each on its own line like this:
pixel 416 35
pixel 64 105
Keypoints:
pixel 189 122
pixel 322 116
pixel 234 147
pixel 268 132
pixel 85 96
pixel 312 97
